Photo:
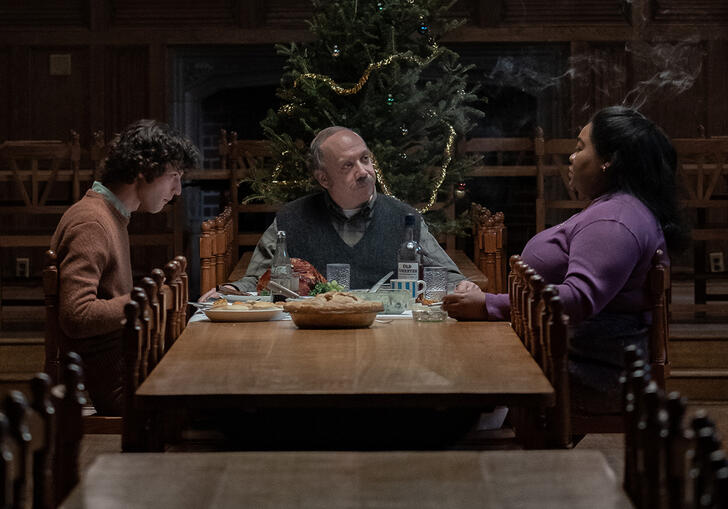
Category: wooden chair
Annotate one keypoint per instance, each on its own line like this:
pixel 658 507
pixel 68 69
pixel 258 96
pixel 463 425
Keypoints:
pixel 249 156
pixel 55 349
pixel 657 287
pixel 669 464
pixel 533 318
pixel 175 289
pixel 501 157
pixel 39 442
pixel 216 250
pixel 34 180
pixel 136 429
pixel 556 336
pixel 489 250
pixel 703 175
pixel 143 328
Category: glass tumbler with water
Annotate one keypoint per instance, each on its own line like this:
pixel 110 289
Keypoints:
pixel 435 283
pixel 339 272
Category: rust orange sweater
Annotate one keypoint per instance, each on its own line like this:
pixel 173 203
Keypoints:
pixel 92 244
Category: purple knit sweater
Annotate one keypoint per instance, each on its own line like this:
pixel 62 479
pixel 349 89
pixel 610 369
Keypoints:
pixel 598 258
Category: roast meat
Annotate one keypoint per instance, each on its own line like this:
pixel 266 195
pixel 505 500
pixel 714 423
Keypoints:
pixel 307 274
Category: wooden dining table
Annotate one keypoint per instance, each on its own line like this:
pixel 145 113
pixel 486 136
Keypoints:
pixel 554 479
pixel 395 364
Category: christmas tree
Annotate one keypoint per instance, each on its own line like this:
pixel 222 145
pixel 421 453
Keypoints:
pixel 378 68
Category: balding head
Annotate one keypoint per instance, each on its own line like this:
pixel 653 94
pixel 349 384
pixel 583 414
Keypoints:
pixel 317 152
pixel 342 165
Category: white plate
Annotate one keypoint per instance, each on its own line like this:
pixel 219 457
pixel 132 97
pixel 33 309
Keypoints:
pixel 242 315
pixel 247 298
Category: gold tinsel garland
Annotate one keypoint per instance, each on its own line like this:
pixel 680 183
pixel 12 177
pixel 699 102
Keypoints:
pixel 374 66
pixel 407 57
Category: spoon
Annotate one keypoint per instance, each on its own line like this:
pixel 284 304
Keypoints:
pixel 285 291
pixel 379 283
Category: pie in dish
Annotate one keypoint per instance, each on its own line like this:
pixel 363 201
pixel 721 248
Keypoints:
pixel 333 302
pixel 333 310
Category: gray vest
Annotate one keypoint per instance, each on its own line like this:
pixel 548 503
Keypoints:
pixel 311 236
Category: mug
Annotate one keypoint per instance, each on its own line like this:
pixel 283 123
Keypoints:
pixel 414 286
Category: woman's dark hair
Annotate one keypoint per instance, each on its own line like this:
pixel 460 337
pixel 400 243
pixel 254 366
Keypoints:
pixel 643 163
pixel 145 147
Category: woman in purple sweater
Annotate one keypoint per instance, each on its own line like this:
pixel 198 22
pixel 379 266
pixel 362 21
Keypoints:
pixel 598 258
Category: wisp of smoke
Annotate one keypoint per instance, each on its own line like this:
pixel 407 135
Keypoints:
pixel 675 68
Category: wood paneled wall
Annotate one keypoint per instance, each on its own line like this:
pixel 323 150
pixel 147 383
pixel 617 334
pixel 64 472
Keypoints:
pixel 119 53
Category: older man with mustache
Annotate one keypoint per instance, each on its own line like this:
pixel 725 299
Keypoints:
pixel 346 222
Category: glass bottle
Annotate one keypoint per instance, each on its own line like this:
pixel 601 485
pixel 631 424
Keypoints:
pixel 408 257
pixel 281 270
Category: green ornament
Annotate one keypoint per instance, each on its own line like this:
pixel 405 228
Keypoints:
pixel 390 99
pixel 380 7
pixel 335 52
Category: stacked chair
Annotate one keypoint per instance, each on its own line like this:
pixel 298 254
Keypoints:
pixel 39 440
pixel 216 250
pixel 537 316
pixel 490 237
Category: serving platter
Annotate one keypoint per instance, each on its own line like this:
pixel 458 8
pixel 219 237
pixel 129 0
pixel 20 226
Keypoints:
pixel 242 315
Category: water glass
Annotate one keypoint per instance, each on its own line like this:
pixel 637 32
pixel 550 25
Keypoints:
pixel 435 283
pixel 339 272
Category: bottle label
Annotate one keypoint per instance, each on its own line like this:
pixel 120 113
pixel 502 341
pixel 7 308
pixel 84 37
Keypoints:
pixel 408 270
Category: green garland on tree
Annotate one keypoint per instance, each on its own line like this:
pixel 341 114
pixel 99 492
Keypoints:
pixel 376 67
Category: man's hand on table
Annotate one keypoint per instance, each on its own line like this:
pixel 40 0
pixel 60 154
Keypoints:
pixel 466 303
pixel 221 290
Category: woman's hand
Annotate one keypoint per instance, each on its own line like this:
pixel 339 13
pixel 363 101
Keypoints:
pixel 467 304
pixel 466 286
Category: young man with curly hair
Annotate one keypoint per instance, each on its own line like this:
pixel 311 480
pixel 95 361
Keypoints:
pixel 142 173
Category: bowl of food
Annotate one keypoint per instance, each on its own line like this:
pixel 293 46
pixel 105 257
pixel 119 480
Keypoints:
pixel 394 302
pixel 333 310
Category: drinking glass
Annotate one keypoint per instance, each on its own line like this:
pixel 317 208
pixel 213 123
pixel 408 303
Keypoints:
pixel 340 272
pixel 435 282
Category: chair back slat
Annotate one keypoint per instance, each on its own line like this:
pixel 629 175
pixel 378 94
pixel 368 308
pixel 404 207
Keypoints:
pixel 654 490
pixel 658 284
pixel 184 292
pixel 139 296
pixel 69 402
pixel 512 286
pixel 679 444
pixel 174 295
pixel 528 272
pixel 164 296
pixel 152 292
pixel 208 276
pixel 40 387
pixel 132 337
pixel 557 332
pixel 52 338
pixel 16 409
pixel 544 317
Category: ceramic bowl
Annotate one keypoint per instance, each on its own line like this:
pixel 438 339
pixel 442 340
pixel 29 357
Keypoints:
pixel 395 302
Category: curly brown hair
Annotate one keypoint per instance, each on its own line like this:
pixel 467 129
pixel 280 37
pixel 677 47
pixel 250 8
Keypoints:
pixel 146 147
